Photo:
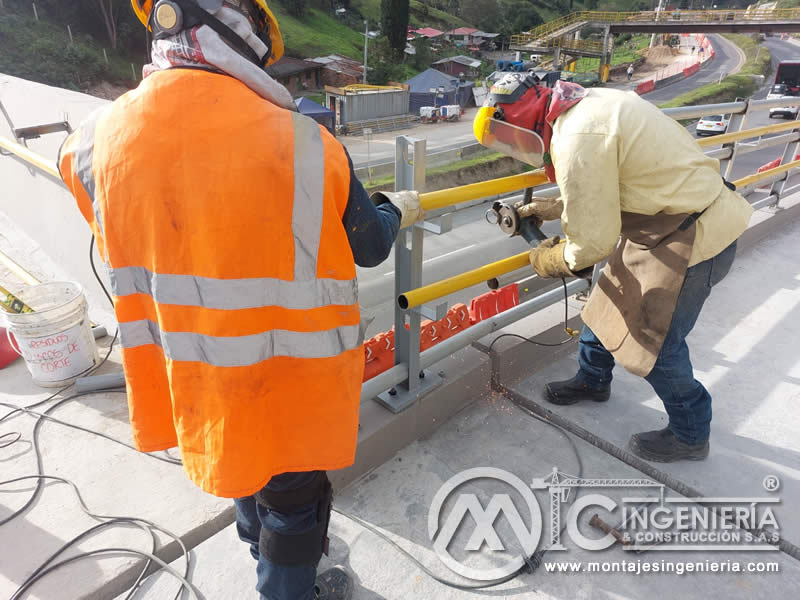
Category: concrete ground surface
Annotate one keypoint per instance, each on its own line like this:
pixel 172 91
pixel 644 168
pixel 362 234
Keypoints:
pixel 744 351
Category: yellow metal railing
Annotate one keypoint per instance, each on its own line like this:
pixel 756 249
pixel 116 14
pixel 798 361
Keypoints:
pixel 482 189
pixel 735 136
pixel 568 43
pixel 41 163
pixel 688 16
pixel 462 281
pixel 756 177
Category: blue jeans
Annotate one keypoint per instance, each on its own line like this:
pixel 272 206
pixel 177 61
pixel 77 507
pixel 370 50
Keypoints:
pixel 686 401
pixel 278 582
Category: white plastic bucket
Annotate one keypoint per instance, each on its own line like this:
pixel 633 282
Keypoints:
pixel 56 340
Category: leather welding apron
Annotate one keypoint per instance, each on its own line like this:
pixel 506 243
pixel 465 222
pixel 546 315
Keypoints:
pixel 630 309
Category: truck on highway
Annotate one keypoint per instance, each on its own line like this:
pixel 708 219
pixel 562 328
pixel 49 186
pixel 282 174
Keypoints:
pixel 788 74
pixel 787 84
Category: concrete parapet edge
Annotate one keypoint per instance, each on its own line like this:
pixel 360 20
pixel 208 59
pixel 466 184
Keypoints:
pixel 466 376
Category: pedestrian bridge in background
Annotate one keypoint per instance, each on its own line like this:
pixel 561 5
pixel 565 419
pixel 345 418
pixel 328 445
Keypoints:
pixel 559 32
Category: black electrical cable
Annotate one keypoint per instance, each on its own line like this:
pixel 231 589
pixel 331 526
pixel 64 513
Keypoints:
pixel 534 342
pixel 532 562
pixel 12 440
pixel 40 478
pixel 166 459
pixel 108 521
pixel 96 274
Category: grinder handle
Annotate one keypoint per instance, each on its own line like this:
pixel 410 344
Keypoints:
pixel 530 232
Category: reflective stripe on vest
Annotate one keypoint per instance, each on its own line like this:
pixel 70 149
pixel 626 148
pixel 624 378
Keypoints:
pixel 84 155
pixel 232 294
pixel 304 292
pixel 239 351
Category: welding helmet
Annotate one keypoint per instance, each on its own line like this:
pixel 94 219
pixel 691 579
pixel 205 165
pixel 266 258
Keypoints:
pixel 167 17
pixel 512 95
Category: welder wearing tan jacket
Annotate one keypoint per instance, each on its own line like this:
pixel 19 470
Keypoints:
pixel 638 190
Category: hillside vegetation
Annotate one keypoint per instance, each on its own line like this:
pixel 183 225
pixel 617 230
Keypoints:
pixel 42 52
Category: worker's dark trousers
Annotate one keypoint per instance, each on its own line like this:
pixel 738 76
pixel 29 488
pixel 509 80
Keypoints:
pixel 277 582
pixel 687 402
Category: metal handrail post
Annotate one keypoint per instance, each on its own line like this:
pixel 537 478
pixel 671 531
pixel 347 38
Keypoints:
pixel 739 122
pixel 777 188
pixel 409 175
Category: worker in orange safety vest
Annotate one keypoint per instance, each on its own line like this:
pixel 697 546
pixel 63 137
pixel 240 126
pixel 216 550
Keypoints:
pixel 231 226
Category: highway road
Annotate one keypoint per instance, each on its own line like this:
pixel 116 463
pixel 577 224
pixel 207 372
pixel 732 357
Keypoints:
pixel 473 242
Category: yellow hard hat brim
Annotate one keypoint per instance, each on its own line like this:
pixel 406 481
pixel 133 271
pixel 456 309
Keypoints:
pixel 479 124
pixel 142 10
pixel 521 144
pixel 274 33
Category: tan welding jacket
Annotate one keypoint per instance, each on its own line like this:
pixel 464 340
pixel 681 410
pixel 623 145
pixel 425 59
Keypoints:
pixel 625 168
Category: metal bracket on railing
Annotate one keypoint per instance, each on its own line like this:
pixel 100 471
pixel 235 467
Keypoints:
pixel 409 174
pixel 437 313
pixel 438 225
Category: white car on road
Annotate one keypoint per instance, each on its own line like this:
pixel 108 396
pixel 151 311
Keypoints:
pixel 712 125
pixel 781 91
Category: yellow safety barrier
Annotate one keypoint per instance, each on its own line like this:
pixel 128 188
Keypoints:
pixel 482 189
pixel 735 136
pixel 756 177
pixel 427 293
pixel 366 87
pixel 41 163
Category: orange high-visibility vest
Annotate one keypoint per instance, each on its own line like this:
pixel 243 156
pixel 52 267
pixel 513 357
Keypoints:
pixel 219 216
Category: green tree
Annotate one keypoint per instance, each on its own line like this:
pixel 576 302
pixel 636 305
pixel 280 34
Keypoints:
pixel 394 25
pixel 479 11
pixel 424 55
pixel 296 8
pixel 108 12
pixel 383 65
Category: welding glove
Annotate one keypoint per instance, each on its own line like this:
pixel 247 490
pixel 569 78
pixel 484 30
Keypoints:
pixel 407 202
pixel 545 209
pixel 547 259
